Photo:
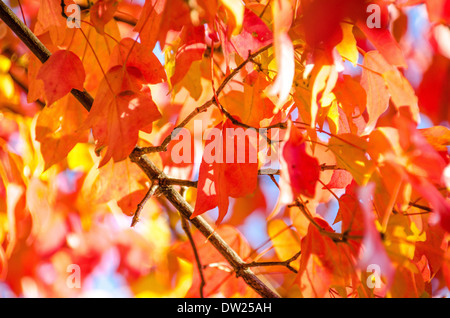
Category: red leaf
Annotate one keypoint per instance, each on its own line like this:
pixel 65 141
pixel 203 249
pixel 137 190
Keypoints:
pixel 254 35
pixel 128 204
pixel 433 90
pixel 192 50
pixel 221 178
pixel 440 205
pixel 299 171
pixel 60 73
pixel 384 42
pixel 340 179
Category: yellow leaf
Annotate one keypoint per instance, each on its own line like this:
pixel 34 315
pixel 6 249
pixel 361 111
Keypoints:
pixel 285 240
pixel 347 48
pixel 350 152
pixel 401 91
pixel 154 286
pixel 79 158
pixel 236 7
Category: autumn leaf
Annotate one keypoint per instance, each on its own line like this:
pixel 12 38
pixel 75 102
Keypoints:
pixel 347 47
pixel 222 176
pixel 61 64
pixel 373 83
pixel 58 137
pixel 133 54
pixel 255 35
pixel 340 179
pixel 432 91
pixel 101 13
pixel 299 170
pixel 119 111
pixel 385 43
pixel 350 155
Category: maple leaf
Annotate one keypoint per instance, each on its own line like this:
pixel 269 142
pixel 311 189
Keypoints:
pixel 61 64
pixel 250 104
pixel 223 178
pixel 119 111
pixel 340 179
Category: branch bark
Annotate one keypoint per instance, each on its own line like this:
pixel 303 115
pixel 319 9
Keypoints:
pixel 147 166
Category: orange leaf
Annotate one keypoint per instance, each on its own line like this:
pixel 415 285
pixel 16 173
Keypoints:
pixel 133 54
pixel 119 111
pixel 101 13
pixel 62 72
pixel 373 83
pixel 437 136
pixel 57 129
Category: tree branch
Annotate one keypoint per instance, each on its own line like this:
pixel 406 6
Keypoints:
pixel 147 166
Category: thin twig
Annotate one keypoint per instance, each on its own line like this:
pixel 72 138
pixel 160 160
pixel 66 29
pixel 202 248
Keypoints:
pixel 151 191
pixel 336 237
pixel 286 263
pixel 187 230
